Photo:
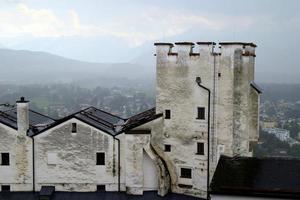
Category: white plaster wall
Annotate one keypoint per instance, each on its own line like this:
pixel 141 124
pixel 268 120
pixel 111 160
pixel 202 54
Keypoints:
pixel 134 162
pixel 76 168
pixel 177 91
pixel 19 173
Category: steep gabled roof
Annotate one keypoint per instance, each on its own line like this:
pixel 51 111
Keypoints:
pixel 92 116
pixel 257 177
pixel 107 122
pixel 37 121
pixel 100 119
pixel 140 119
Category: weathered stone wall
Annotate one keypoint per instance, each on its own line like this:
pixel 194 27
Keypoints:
pixel 75 168
pixel 19 173
pixel 237 67
pixel 254 119
pixel 137 144
pixel 178 91
pixel 227 75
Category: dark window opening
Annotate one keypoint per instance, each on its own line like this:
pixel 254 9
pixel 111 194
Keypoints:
pixel 186 173
pixel 74 128
pixel 167 148
pixel 5 188
pixel 219 74
pixel 185 186
pixel 100 159
pixel 201 113
pixel 4 158
pixel 167 114
pixel 200 148
pixel 100 188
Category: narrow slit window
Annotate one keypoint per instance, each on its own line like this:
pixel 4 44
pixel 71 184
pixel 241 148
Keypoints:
pixel 186 173
pixel 201 113
pixel 167 148
pixel 167 114
pixel 5 188
pixel 100 158
pixel 200 148
pixel 4 158
pixel 74 128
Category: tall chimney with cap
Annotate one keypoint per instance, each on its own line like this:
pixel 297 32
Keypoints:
pixel 22 115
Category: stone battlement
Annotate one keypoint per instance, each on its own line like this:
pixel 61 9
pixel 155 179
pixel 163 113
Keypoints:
pixel 184 49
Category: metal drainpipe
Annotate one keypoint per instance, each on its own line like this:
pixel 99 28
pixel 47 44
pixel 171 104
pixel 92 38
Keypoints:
pixel 198 81
pixel 119 165
pixel 33 168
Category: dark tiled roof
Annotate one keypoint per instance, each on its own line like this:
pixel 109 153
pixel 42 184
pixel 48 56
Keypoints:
pixel 37 121
pixel 107 122
pixel 8 120
pixel 257 177
pixel 140 119
pixel 101 120
pixel 97 118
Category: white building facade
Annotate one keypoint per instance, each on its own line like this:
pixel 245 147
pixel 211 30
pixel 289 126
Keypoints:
pixel 282 134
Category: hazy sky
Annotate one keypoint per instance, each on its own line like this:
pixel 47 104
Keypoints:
pixel 123 30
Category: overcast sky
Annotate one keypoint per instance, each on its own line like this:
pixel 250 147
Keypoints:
pixel 123 30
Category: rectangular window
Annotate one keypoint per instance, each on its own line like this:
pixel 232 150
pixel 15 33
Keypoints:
pixel 167 148
pixel 200 148
pixel 100 158
pixel 219 74
pixel 201 113
pixel 100 188
pixel 52 158
pixel 4 158
pixel 5 188
pixel 186 173
pixel 74 128
pixel 167 114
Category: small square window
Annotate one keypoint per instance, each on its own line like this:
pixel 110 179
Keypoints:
pixel 201 113
pixel 200 148
pixel 167 148
pixel 100 188
pixel 74 128
pixel 100 158
pixel 219 74
pixel 167 114
pixel 186 173
pixel 5 188
pixel 4 158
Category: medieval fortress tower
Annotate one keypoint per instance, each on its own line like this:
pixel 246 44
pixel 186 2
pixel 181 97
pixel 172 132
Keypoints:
pixel 210 105
pixel 207 104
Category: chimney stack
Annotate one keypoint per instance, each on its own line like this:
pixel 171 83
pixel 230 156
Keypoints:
pixel 22 115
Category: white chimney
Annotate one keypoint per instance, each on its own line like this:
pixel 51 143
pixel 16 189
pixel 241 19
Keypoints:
pixel 22 115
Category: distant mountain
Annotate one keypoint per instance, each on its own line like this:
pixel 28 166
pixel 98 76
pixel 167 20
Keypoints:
pixel 22 67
